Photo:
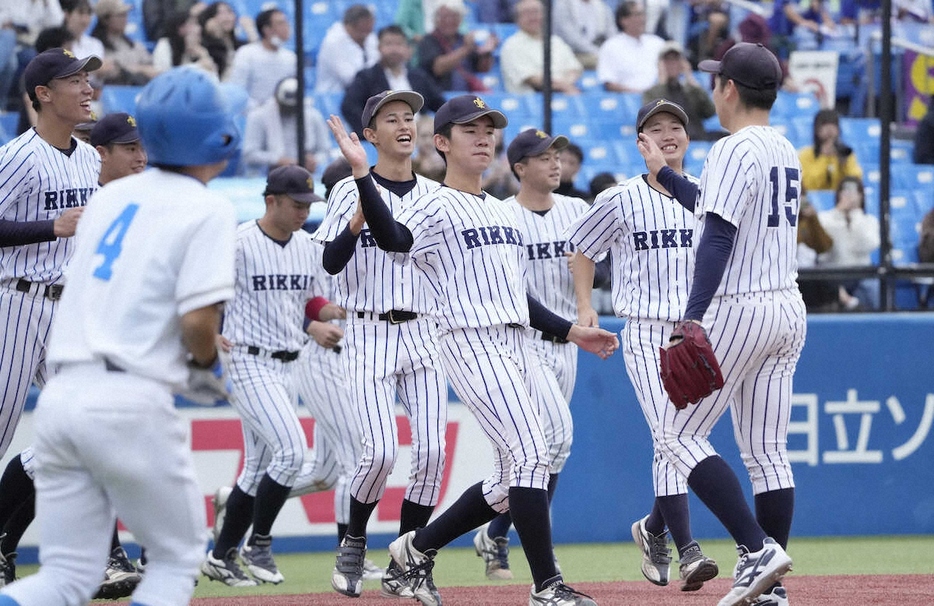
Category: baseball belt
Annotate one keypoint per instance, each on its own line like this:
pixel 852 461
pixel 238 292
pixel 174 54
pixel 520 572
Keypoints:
pixel 52 292
pixel 553 338
pixel 393 316
pixel 284 355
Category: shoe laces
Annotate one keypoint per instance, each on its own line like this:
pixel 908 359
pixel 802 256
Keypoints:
pixel 658 548
pixel 120 561
pixel 564 592
pixel 420 574
pixel 231 566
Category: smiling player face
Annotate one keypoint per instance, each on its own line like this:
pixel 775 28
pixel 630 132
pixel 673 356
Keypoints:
pixel 542 172
pixel 394 131
pixel 71 97
pixel 667 131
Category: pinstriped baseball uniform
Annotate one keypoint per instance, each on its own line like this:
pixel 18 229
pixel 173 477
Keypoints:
pixel 322 378
pixel 756 321
pixel 651 239
pixel 389 361
pixel 472 253
pixel 550 281
pixel 37 182
pixel 274 280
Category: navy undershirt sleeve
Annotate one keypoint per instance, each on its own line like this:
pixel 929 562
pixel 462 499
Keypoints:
pixel 543 319
pixel 684 191
pixel 713 251
pixel 601 273
pixel 337 252
pixel 389 234
pixel 18 233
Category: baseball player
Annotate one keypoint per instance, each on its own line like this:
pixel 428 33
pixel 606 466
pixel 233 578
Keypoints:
pixel 543 217
pixel 470 251
pixel 158 248
pixel 116 139
pixel 744 284
pixel 648 230
pixel 264 334
pixel 391 342
pixel 46 178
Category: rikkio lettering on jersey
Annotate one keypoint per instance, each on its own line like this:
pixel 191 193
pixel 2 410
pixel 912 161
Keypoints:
pixel 67 198
pixel 491 235
pixel 539 251
pixel 281 282
pixel 663 238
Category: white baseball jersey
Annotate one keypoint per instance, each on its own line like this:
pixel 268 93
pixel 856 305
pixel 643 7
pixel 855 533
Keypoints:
pixel 753 180
pixel 274 280
pixel 374 280
pixel 651 239
pixel 150 248
pixel 471 251
pixel 38 182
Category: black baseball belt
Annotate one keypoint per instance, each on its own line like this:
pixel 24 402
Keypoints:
pixel 553 338
pixel 52 292
pixel 284 355
pixel 393 316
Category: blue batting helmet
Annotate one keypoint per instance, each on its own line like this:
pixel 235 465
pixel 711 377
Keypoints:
pixel 184 119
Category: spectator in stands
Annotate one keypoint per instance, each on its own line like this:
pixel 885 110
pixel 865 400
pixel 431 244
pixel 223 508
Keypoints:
pixel 499 180
pixel 828 161
pixel 624 64
pixel 182 45
pixel 390 73
pixel 20 24
pixel 677 83
pixel 133 62
pixel 348 47
pixel 156 12
pixel 855 236
pixel 795 22
pixel 710 29
pixel 584 25
pixel 926 239
pixel 599 183
pixel 218 34
pixel 924 138
pixel 78 15
pixel 427 161
pixel 260 66
pixel 813 240
pixel 495 11
pixel 270 138
pixel 452 59
pixel 521 56
pixel 416 16
pixel 572 157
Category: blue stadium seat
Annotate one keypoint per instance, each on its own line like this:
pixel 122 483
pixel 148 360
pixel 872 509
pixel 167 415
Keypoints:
pixel 854 131
pixel 327 103
pixel 821 199
pixel 790 105
pixel 912 176
pixel 116 98
pixel 8 123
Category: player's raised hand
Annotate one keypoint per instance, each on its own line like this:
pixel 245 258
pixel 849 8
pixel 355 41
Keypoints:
pixel 651 152
pixel 64 226
pixel 597 341
pixel 350 146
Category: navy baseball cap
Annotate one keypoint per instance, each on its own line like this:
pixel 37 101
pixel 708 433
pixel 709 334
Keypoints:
pixel 752 65
pixel 464 109
pixel 656 107
pixel 374 103
pixel 55 63
pixel 117 128
pixel 532 142
pixel 292 181
pixel 87 126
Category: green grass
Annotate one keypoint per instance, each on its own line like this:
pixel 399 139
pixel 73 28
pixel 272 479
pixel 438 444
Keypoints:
pixel 310 572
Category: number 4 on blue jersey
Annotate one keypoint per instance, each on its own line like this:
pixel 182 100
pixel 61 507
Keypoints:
pixel 112 242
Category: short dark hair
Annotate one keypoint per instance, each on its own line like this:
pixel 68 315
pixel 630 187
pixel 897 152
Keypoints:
pixel 70 6
pixel 446 133
pixel 357 12
pixel 752 97
pixel 264 18
pixel 624 10
pixel 576 151
pixel 53 37
pixel 390 30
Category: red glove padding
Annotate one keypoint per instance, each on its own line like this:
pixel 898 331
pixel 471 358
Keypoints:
pixel 313 308
pixel 689 367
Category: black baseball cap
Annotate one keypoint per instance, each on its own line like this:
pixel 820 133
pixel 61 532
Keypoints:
pixel 114 128
pixel 374 103
pixel 87 126
pixel 292 181
pixel 335 171
pixel 464 109
pixel 656 107
pixel 533 142
pixel 752 65
pixel 55 63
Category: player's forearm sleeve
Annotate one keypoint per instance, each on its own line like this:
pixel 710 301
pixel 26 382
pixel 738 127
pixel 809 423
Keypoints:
pixel 601 273
pixel 713 251
pixel 685 191
pixel 543 319
pixel 389 234
pixel 337 252
pixel 18 233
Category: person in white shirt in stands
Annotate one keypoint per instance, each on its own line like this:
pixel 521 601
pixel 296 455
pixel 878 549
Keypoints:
pixel 628 61
pixel 521 58
pixel 584 25
pixel 348 47
pixel 260 66
pixel 270 138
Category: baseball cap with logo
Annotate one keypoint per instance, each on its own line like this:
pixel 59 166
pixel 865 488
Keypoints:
pixel 106 8
pixel 532 142
pixel 657 106
pixel 55 63
pixel 752 65
pixel 374 103
pixel 87 126
pixel 464 109
pixel 293 181
pixel 119 128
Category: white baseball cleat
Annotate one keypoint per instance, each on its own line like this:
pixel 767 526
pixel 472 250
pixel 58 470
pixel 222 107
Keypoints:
pixel 756 572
